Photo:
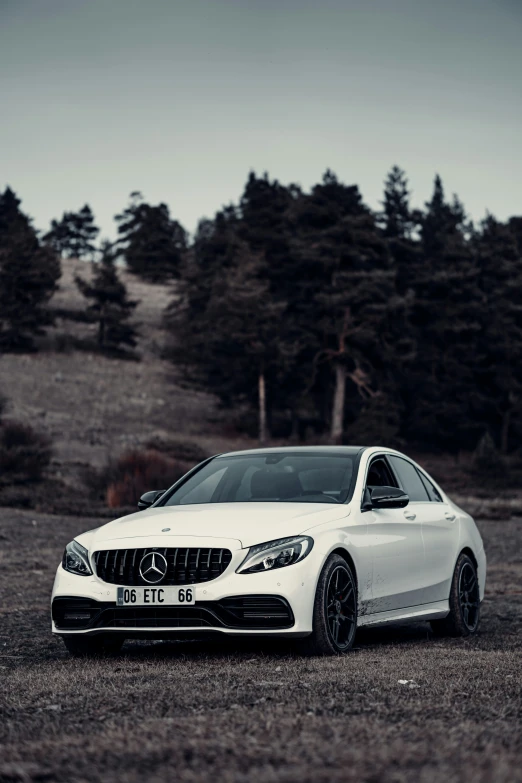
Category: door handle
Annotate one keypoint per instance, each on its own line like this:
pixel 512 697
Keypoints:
pixel 450 517
pixel 410 515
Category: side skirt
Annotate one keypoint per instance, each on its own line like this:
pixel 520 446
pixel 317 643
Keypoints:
pixel 434 611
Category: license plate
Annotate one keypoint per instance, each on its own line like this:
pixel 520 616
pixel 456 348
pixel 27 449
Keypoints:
pixel 155 596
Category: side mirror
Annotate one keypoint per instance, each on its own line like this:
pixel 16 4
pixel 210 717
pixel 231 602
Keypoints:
pixel 384 497
pixel 149 498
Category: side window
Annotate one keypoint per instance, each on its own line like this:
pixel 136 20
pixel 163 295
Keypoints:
pixel 409 478
pixel 432 491
pixel 379 474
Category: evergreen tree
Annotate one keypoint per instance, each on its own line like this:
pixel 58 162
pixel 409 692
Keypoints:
pixel 346 290
pixel 28 278
pixel 497 386
pixel 442 221
pixel 153 244
pixel 226 328
pixel 515 226
pixel 266 226
pixel 109 306
pixel 352 308
pixel 406 324
pixel 396 217
pixel 444 316
pixel 73 236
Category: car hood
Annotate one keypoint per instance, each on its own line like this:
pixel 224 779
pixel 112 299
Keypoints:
pixel 246 523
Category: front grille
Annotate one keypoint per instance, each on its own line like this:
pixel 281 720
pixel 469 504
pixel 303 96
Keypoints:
pixel 185 566
pixel 254 612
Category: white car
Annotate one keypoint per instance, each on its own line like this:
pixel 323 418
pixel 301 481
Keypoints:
pixel 309 543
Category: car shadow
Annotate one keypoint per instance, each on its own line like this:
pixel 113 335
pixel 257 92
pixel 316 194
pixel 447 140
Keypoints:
pixel 366 638
pixel 393 633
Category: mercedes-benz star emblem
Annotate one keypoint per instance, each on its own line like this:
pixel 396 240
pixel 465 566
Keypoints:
pixel 153 568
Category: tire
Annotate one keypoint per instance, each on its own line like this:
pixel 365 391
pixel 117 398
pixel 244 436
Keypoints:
pixel 335 611
pixel 464 602
pixel 90 646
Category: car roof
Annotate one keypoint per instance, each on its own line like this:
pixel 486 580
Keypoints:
pixel 348 450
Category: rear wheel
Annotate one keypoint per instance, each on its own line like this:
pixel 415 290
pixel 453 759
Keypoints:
pixel 335 611
pixel 464 601
pixel 103 644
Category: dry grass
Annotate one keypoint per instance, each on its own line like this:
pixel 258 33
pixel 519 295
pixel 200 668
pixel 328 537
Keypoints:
pixel 249 712
pixel 94 407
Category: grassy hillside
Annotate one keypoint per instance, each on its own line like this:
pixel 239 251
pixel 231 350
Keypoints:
pixel 94 407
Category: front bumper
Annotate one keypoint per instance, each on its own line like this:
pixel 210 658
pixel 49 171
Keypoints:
pixel 255 613
pixel 278 603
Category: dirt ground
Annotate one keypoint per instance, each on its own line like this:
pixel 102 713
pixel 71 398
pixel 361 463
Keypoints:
pixel 247 712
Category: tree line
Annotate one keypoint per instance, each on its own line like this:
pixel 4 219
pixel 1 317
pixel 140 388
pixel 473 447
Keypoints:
pixel 307 312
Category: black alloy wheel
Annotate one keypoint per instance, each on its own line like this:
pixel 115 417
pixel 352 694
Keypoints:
pixel 464 602
pixel 469 597
pixel 335 611
pixel 341 608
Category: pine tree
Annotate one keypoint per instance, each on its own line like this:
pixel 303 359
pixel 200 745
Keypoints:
pixel 265 211
pixel 352 309
pixel 224 324
pixel 345 287
pixel 28 278
pixel 442 221
pixel 109 306
pixel 73 236
pixel 444 316
pixel 246 325
pixel 515 226
pixel 396 217
pixel 497 384
pixel 152 244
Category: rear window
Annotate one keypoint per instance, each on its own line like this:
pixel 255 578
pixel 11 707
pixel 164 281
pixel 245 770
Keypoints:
pixel 409 478
pixel 432 491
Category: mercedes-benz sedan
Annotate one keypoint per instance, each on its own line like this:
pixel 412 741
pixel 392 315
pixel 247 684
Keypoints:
pixel 309 543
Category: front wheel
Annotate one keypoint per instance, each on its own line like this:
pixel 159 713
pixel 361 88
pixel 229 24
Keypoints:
pixel 335 611
pixel 87 646
pixel 464 601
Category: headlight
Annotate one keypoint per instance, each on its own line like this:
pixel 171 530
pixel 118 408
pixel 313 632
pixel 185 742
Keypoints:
pixel 276 554
pixel 76 559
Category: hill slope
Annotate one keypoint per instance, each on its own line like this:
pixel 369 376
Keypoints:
pixel 93 406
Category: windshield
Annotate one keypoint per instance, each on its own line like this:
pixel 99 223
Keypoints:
pixel 291 477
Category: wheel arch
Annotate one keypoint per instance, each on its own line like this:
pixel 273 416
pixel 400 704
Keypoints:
pixel 470 553
pixel 342 552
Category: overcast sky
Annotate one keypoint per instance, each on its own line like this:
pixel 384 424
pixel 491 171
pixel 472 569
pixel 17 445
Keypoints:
pixel 181 98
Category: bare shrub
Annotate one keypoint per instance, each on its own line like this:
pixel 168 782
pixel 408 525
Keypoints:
pixel 136 472
pixel 24 453
pixel 181 450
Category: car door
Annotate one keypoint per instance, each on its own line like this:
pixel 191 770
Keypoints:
pixel 439 528
pixel 397 546
pixel 441 534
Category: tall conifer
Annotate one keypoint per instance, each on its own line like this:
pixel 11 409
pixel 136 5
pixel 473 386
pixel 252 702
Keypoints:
pixel 29 273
